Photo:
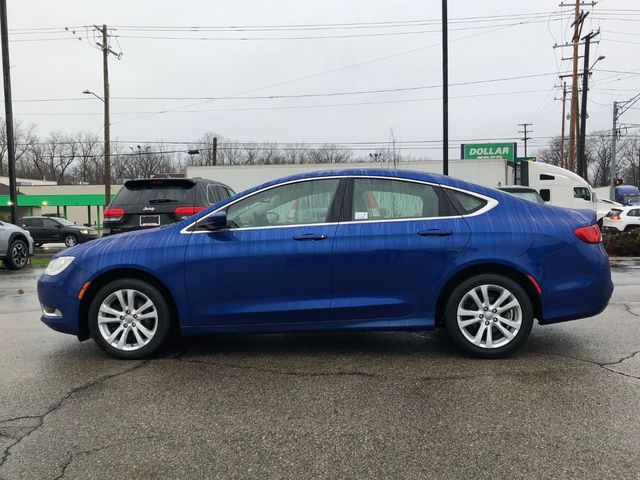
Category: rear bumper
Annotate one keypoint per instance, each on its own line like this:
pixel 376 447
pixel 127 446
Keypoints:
pixel 575 282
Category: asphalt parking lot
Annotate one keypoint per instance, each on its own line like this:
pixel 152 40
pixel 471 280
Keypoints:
pixel 374 405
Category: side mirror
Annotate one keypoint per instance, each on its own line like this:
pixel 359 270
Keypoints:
pixel 216 221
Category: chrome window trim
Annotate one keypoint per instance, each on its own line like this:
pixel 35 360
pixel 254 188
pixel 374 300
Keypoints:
pixel 491 203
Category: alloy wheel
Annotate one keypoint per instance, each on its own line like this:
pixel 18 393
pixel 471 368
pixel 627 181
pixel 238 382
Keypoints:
pixel 19 254
pixel 127 319
pixel 489 316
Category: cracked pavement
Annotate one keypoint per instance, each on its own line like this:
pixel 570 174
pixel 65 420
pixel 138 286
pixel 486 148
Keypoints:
pixel 366 405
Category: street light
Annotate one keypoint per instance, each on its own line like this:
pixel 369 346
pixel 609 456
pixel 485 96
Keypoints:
pixel 601 57
pixel 89 92
pixel 107 148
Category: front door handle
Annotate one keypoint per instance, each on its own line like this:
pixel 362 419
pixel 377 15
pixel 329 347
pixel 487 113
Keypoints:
pixel 435 232
pixel 309 237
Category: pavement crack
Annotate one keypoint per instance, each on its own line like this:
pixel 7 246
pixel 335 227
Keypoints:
pixel 631 355
pixel 73 455
pixel 603 365
pixel 6 453
pixel 354 373
pixel 627 307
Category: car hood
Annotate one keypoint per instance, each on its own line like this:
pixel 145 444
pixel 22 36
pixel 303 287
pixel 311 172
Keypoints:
pixel 119 242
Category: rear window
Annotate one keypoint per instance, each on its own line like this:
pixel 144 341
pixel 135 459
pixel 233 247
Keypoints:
pixel 150 192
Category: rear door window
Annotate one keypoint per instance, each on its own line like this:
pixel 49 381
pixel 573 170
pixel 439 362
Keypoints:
pixel 382 199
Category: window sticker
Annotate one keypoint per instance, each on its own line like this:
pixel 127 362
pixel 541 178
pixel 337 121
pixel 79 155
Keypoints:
pixel 362 216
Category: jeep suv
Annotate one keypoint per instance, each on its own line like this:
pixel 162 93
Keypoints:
pixel 16 246
pixel 153 202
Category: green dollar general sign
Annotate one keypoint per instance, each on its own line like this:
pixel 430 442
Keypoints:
pixel 506 151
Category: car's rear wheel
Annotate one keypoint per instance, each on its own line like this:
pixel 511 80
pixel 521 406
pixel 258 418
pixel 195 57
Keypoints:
pixel 70 240
pixel 17 255
pixel 129 318
pixel 489 316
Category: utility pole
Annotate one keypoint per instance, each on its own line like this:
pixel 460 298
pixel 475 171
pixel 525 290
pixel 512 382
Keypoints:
pixel 564 117
pixel 107 126
pixel 215 150
pixel 582 161
pixel 8 112
pixel 526 137
pixel 614 137
pixel 573 123
pixel 106 50
pixel 618 109
pixel 445 91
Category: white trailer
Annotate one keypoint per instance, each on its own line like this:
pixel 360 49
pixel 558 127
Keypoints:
pixel 490 172
pixel 556 185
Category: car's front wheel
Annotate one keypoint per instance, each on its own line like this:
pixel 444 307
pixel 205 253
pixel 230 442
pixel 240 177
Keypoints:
pixel 129 318
pixel 489 316
pixel 17 255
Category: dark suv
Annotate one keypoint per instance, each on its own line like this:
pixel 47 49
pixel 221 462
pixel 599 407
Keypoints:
pixel 47 229
pixel 152 202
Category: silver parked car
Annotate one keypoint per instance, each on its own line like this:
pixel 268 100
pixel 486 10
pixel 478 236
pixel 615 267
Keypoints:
pixel 16 246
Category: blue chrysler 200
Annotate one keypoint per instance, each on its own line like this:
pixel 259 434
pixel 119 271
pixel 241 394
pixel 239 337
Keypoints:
pixel 339 250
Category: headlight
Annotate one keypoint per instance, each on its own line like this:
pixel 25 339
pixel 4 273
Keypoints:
pixel 57 265
pixel 85 231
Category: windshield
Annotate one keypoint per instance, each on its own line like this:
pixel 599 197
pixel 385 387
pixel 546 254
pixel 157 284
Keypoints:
pixel 633 199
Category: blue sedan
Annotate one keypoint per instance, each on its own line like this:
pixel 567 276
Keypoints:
pixel 339 250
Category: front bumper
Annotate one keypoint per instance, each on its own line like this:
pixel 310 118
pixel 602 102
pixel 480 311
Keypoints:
pixel 58 295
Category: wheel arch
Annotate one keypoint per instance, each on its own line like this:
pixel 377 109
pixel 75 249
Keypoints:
pixel 488 268
pixel 17 236
pixel 117 274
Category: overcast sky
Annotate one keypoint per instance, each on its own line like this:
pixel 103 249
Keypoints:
pixel 54 64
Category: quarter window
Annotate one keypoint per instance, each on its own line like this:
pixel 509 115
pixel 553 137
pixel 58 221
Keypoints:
pixel 381 199
pixel 468 204
pixel 294 204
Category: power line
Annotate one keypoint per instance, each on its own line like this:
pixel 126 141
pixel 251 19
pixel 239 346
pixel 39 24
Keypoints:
pixel 310 95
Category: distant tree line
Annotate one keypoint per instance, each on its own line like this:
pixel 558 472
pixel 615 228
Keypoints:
pixel 79 158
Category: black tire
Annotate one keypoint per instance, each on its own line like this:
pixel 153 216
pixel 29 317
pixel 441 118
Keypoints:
pixel 70 240
pixel 163 318
pixel 17 255
pixel 466 345
pixel 631 228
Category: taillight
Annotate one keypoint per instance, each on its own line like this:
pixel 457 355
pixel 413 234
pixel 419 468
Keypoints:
pixel 113 214
pixel 614 217
pixel 589 234
pixel 184 212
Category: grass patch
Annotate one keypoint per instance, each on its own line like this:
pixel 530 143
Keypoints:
pixel 623 244
pixel 39 262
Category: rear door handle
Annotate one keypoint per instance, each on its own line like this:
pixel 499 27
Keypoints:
pixel 434 232
pixel 309 237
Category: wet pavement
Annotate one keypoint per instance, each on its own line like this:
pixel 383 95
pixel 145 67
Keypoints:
pixel 370 405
